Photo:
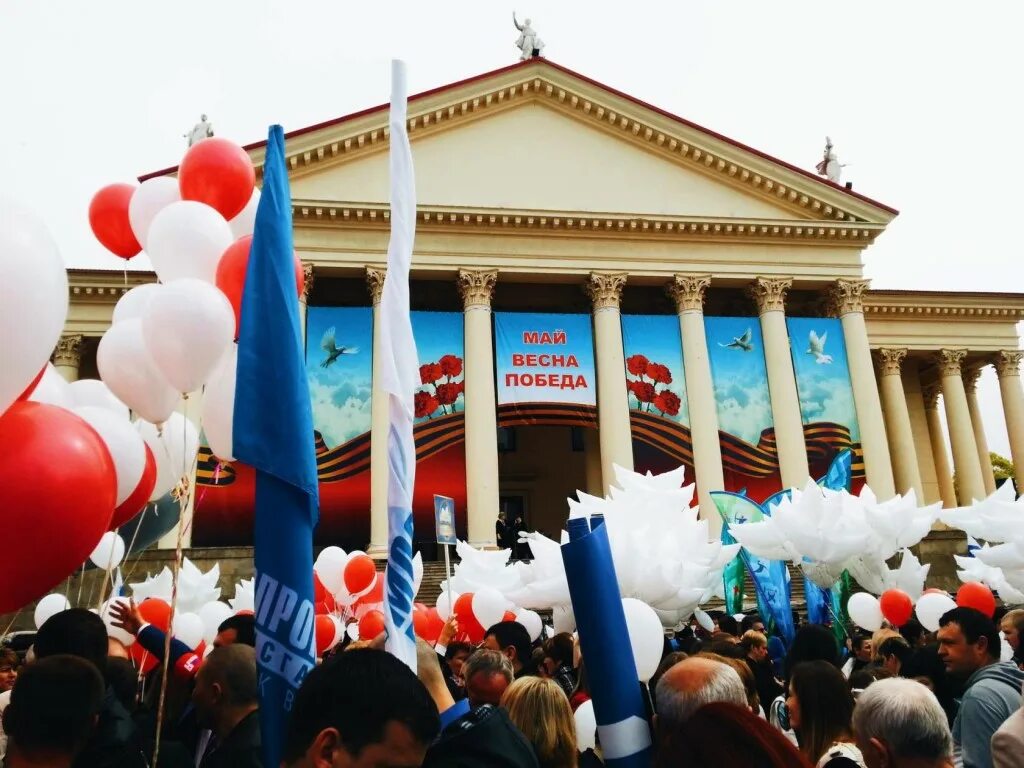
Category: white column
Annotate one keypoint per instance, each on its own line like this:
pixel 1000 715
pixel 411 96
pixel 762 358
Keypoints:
pixel 68 356
pixel 939 451
pixel 848 304
pixel 919 424
pixel 770 296
pixel 971 376
pixel 605 291
pixel 476 288
pixel 379 424
pixel 969 484
pixel 897 421
pixel 1007 364
pixel 688 293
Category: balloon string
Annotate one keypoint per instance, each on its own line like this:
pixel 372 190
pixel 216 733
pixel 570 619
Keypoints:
pixel 135 535
pixel 108 577
pixel 81 581
pixel 11 622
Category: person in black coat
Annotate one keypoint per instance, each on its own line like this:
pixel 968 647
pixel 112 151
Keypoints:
pixel 226 698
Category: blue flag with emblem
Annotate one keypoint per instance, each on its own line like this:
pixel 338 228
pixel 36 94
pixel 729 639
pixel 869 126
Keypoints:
pixel 273 433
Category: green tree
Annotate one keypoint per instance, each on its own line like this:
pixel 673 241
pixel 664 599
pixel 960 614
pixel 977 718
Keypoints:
pixel 1002 467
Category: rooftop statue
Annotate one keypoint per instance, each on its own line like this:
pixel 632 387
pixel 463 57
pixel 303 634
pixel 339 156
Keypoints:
pixel 528 43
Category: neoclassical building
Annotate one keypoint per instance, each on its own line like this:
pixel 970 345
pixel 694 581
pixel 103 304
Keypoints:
pixel 571 238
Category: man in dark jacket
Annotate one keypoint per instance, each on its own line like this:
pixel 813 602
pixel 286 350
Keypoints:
pixel 969 647
pixel 226 699
pixel 116 742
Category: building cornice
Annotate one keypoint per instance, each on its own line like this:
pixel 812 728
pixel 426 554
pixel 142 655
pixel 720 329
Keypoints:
pixel 943 305
pixel 315 213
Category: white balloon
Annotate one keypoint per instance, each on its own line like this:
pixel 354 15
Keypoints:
pixel 174 449
pixel 488 606
pixel 33 298
pixel 187 239
pixel 219 406
pixel 93 392
pixel 52 388
pixel 330 568
pixel 353 631
pixel 865 611
pixel 126 366
pixel 49 606
pixel 187 327
pixel 109 552
pixel 417 573
pixel 645 635
pixel 126 638
pixel 245 221
pixel 706 622
pixel 213 615
pixel 532 621
pixel 188 628
pixel 930 607
pixel 134 303
pixel 124 444
pixel 586 726
pixel 563 619
pixel 444 607
pixel 148 199
pixel 339 631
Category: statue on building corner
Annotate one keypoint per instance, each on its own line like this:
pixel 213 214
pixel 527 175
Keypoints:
pixel 201 130
pixel 529 44
pixel 829 165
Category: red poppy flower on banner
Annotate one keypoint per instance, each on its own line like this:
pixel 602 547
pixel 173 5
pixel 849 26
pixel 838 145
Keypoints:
pixel 425 404
pixel 451 365
pixel 430 372
pixel 659 373
pixel 667 402
pixel 636 365
pixel 447 393
pixel 642 390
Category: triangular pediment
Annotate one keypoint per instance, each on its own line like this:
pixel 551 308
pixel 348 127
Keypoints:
pixel 537 137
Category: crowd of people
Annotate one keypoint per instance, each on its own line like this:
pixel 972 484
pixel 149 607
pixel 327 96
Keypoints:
pixel 733 696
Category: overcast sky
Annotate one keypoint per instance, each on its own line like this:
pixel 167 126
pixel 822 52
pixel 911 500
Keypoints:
pixel 922 100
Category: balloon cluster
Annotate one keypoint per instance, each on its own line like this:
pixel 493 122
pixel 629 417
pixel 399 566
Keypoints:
pixel 999 562
pixel 662 556
pixel 826 532
pixel 349 598
pixel 169 339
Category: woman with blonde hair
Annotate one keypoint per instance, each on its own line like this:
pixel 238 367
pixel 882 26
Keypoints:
pixel 540 709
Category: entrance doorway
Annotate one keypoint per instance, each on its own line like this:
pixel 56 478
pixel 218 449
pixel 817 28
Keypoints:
pixel 539 467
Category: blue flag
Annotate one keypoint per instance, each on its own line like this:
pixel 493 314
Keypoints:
pixel 273 432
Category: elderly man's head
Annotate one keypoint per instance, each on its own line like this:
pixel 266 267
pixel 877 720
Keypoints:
pixel 691 684
pixel 487 674
pixel 899 722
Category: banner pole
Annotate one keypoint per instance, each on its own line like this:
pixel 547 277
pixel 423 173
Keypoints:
pixel 448 577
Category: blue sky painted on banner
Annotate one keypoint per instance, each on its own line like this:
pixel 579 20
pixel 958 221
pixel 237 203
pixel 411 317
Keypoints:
pixel 340 393
pixel 656 337
pixel 437 334
pixel 825 391
pixel 508 334
pixel 739 376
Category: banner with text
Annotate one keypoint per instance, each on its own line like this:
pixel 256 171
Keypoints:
pixel 545 369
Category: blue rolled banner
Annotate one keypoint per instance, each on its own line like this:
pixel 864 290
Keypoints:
pixel 622 725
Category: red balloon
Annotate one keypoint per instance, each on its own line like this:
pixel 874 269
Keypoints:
pixel 59 490
pixel 145 662
pixel 108 217
pixel 434 626
pixel 219 173
pixel 371 625
pixel 359 574
pixel 326 630
pixel 897 607
pixel 468 624
pixel 509 616
pixel 420 622
pixel 231 270
pixel 977 596
pixel 131 506
pixel 156 612
pixel 376 594
pixel 323 601
pixel 31 387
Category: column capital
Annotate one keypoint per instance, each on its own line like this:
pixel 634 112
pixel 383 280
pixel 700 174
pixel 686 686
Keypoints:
pixel 770 293
pixel 476 286
pixel 375 283
pixel 971 376
pixel 307 281
pixel 68 350
pixel 1007 362
pixel 605 289
pixel 930 393
pixel 847 295
pixel 950 361
pixel 688 291
pixel 890 360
